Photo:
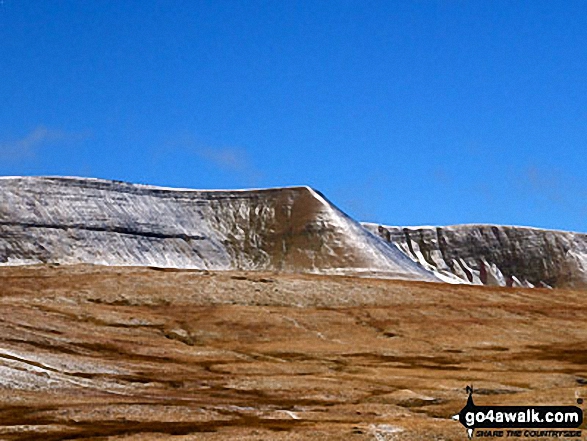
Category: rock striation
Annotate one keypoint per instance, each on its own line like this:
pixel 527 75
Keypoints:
pixel 494 254
pixel 76 220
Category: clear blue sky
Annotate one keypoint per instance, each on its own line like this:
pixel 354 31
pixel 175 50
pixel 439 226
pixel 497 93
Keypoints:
pixel 402 112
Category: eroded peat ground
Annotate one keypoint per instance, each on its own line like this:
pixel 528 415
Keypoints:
pixel 127 354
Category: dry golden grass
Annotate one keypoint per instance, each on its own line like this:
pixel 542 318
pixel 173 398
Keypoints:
pixel 144 354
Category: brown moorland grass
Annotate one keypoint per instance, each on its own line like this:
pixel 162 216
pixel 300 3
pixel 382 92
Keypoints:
pixel 109 353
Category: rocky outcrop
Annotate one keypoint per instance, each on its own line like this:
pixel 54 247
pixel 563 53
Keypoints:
pixel 75 220
pixel 493 254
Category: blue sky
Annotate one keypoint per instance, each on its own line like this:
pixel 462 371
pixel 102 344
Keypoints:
pixel 401 112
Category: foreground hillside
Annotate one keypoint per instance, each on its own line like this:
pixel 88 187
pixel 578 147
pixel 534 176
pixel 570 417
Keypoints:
pixel 144 354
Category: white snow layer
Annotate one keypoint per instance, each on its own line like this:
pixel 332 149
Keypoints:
pixel 494 254
pixel 295 229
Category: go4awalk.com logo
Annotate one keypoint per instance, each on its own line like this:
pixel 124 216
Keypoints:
pixel 520 421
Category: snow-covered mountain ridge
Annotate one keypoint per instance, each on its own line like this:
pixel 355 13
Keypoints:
pixel 78 220
pixel 494 254
pixel 293 229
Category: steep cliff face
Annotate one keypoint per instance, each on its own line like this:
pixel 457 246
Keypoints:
pixel 494 255
pixel 75 220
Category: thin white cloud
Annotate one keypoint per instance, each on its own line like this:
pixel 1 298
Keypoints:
pixel 227 159
pixel 28 146
pixel 558 188
pixel 231 159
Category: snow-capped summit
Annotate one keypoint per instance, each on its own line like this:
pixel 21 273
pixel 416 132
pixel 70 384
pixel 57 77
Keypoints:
pixel 295 229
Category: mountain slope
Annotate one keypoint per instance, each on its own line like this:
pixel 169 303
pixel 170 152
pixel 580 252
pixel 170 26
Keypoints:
pixel 76 220
pixel 494 254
